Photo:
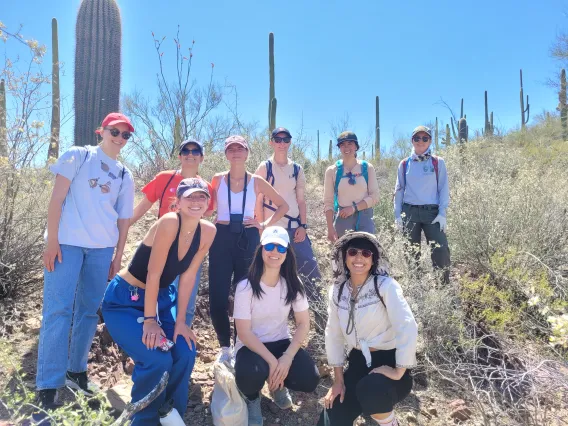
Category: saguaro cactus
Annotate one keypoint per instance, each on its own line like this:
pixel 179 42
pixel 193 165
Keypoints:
pixel 524 111
pixel 271 91
pixel 177 134
pixel 318 156
pixel 3 129
pixel 53 150
pixel 97 66
pixel 448 139
pixel 377 129
pixel 462 130
pixel 489 129
pixel 330 150
pixel 563 105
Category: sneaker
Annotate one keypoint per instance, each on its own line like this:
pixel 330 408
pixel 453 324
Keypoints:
pixel 47 399
pixel 254 412
pixel 226 357
pixel 81 383
pixel 282 398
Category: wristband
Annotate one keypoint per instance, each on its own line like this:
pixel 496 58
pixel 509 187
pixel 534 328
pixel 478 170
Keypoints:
pixel 355 206
pixel 142 319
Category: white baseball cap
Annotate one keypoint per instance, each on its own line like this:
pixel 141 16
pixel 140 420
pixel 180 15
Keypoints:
pixel 275 234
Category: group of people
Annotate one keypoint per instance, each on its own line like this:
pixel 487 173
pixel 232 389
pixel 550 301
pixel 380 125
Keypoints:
pixel 258 247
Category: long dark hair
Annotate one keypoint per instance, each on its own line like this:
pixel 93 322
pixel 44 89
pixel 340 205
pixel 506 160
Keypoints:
pixel 288 271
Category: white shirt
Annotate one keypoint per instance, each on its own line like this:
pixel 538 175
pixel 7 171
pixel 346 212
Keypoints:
pixel 393 327
pixel 269 314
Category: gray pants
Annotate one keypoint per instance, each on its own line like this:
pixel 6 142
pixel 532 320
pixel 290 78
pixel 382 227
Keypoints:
pixel 308 269
pixel 366 224
pixel 419 218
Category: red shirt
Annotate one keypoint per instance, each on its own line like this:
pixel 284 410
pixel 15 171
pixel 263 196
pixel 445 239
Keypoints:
pixel 155 188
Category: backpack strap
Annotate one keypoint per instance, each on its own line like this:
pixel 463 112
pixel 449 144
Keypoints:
pixel 405 164
pixel 269 174
pixel 338 176
pixel 435 165
pixel 164 191
pixel 296 171
pixel 341 287
pixel 365 171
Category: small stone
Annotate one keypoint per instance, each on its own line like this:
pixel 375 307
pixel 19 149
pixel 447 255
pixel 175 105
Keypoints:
pixel 462 413
pixel 324 371
pixel 129 366
pixel 456 403
pixel 198 408
pixel 433 411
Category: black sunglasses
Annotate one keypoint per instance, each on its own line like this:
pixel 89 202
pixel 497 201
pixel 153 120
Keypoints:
pixel 354 252
pixel 418 138
pixel 115 132
pixel 187 151
pixel 286 139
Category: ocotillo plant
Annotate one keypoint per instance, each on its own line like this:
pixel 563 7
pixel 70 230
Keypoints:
pixel 97 66
pixel 436 146
pixel 330 150
pixel 377 129
pixel 524 111
pixel 462 130
pixel 53 150
pixel 489 129
pixel 318 156
pixel 271 90
pixel 3 129
pixel 563 105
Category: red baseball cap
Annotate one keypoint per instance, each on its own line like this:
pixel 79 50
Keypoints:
pixel 116 118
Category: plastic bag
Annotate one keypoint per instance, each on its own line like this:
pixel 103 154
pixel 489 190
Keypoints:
pixel 228 408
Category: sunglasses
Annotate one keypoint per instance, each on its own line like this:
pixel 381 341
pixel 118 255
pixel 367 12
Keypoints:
pixel 354 252
pixel 115 132
pixel 105 187
pixel 270 247
pixel 286 139
pixel 186 151
pixel 423 138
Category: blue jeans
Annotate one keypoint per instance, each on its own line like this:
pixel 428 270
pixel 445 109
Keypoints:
pixel 190 313
pixel 72 294
pixel 307 265
pixel 121 317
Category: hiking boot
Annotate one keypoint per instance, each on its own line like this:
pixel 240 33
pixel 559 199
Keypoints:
pixel 282 398
pixel 47 399
pixel 81 383
pixel 226 357
pixel 254 412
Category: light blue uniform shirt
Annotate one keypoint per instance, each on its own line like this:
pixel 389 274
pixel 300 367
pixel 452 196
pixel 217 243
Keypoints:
pixel 421 186
pixel 99 195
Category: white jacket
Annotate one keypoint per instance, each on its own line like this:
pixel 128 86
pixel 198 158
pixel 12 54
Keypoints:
pixel 375 326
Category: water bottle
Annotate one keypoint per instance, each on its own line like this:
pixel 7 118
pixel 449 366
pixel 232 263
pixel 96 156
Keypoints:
pixel 169 416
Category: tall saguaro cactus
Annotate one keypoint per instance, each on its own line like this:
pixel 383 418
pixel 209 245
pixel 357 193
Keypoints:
pixel 53 150
pixel 377 129
pixel 97 66
pixel 524 111
pixel 463 130
pixel 563 105
pixel 318 157
pixel 489 129
pixel 448 139
pixel 3 128
pixel 330 151
pixel 271 91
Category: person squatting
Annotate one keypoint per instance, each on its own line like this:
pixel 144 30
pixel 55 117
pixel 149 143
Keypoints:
pixel 259 250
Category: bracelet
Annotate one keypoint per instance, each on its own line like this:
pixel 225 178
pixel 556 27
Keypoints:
pixel 143 319
pixel 355 206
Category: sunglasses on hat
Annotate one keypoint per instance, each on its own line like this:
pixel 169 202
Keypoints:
pixel 270 247
pixel 418 138
pixel 115 132
pixel 364 252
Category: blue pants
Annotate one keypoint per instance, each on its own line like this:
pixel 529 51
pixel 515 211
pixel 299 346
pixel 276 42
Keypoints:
pixel 190 313
pixel 121 314
pixel 307 265
pixel 72 294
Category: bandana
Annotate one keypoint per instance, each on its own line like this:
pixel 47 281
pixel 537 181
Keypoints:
pixel 422 157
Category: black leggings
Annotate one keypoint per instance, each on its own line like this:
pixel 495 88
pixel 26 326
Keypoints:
pixel 230 256
pixel 367 393
pixel 251 370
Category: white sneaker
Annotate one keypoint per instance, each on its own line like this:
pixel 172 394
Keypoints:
pixel 226 357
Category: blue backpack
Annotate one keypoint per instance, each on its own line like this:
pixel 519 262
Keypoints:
pixel 339 176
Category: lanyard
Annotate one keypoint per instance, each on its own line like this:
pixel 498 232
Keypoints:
pixel 244 191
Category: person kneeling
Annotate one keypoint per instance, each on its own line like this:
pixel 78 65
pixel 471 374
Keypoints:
pixel 368 313
pixel 264 351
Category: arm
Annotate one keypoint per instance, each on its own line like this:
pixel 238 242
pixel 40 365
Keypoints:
pixel 443 187
pixel 335 349
pixel 141 209
pixel 54 210
pixel 328 201
pixel 262 186
pixel 123 226
pixel 259 206
pixel 399 191
pixel 301 196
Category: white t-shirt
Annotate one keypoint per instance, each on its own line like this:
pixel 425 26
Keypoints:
pixel 269 314
pixel 100 193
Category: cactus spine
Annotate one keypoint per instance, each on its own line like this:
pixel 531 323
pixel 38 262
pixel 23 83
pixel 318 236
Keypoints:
pixel 563 105
pixel 271 92
pixel 330 150
pixel 377 129
pixel 53 150
pixel 97 66
pixel 3 128
pixel 524 111
pixel 436 136
pixel 489 129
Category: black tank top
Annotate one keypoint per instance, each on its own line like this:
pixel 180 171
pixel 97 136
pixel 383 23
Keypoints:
pixel 139 264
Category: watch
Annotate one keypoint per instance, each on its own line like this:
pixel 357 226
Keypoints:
pixel 304 225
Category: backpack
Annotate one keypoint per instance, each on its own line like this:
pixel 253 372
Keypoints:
pixel 270 179
pixel 406 162
pixel 339 176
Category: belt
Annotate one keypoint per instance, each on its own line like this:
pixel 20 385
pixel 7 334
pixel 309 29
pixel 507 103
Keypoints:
pixel 424 206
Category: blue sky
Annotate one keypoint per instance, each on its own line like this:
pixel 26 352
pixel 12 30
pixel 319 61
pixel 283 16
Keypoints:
pixel 334 57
